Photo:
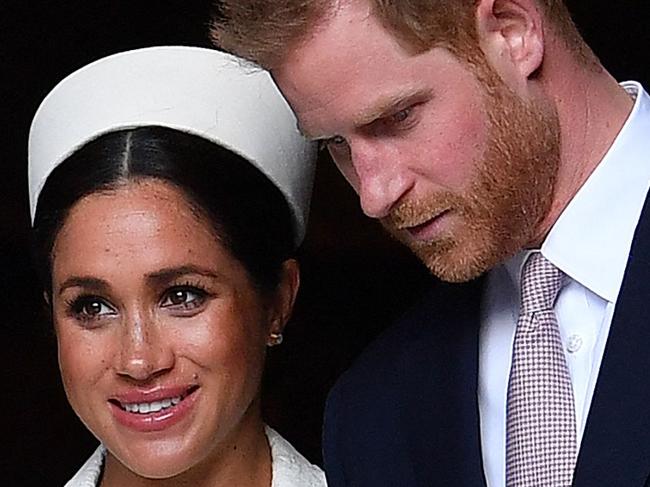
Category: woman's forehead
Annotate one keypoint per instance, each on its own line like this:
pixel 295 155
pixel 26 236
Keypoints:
pixel 140 223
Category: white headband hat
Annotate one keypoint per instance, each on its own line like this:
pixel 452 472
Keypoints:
pixel 203 92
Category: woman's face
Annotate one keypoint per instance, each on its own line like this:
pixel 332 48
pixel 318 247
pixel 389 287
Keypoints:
pixel 161 333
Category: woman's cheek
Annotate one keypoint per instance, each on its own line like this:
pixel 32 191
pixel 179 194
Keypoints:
pixel 84 353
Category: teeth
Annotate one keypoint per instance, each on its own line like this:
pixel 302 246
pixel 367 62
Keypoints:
pixel 151 407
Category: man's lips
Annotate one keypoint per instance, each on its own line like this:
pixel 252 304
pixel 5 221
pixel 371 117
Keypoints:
pixel 427 229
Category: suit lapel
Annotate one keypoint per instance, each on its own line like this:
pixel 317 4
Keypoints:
pixel 616 444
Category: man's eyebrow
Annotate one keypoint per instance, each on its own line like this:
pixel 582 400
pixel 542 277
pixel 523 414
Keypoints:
pixel 92 283
pixel 382 107
pixel 387 105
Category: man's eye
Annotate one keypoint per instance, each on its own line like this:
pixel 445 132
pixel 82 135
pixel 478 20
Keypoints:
pixel 334 142
pixel 184 298
pixel 401 116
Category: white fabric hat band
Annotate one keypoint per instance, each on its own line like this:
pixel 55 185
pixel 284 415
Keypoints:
pixel 203 92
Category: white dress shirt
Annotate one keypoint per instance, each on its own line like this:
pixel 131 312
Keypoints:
pixel 590 243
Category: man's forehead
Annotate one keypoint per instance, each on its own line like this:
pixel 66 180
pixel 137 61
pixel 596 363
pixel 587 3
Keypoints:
pixel 350 71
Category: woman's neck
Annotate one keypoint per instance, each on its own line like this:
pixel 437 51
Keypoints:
pixel 243 460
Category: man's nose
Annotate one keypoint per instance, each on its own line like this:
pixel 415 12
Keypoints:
pixel 380 177
pixel 144 351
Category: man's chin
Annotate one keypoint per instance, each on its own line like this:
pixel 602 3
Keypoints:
pixel 461 258
pixel 454 262
pixel 453 272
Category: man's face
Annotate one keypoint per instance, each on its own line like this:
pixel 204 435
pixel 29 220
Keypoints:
pixel 454 163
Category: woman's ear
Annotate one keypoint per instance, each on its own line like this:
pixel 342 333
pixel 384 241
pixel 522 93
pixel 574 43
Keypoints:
pixel 284 300
pixel 511 34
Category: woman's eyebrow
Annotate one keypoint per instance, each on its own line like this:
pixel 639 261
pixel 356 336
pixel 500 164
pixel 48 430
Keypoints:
pixel 92 283
pixel 170 273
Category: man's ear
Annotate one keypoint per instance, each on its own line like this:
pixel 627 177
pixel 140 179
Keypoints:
pixel 511 34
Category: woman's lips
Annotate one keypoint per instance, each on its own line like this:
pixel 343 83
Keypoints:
pixel 148 411
pixel 428 229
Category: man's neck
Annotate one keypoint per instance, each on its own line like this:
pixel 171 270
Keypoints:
pixel 592 109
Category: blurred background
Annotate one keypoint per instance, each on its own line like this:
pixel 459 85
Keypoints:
pixel 355 280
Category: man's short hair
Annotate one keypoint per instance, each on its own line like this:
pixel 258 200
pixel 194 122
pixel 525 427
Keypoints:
pixel 264 31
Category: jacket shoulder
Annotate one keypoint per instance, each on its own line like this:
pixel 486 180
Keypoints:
pixel 393 396
pixel 445 314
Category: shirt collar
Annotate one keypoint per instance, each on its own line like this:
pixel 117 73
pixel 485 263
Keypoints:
pixel 591 239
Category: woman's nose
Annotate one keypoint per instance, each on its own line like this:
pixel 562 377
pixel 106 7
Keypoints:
pixel 144 352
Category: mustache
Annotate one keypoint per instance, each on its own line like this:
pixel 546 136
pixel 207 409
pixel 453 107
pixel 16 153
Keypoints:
pixel 411 213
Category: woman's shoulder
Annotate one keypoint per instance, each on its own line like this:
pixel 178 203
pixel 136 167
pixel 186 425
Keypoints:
pixel 290 468
pixel 88 474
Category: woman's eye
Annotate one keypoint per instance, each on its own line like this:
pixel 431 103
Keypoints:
pixel 91 307
pixel 183 298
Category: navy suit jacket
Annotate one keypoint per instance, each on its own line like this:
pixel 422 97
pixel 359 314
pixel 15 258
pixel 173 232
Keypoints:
pixel 406 414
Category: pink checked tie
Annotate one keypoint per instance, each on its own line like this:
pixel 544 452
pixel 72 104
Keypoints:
pixel 540 424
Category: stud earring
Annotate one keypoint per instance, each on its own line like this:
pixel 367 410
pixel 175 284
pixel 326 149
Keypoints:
pixel 274 339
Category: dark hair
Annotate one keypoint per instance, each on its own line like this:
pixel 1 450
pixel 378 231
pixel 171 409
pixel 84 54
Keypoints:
pixel 248 213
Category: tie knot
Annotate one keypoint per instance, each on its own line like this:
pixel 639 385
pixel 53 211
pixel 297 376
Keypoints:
pixel 540 283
